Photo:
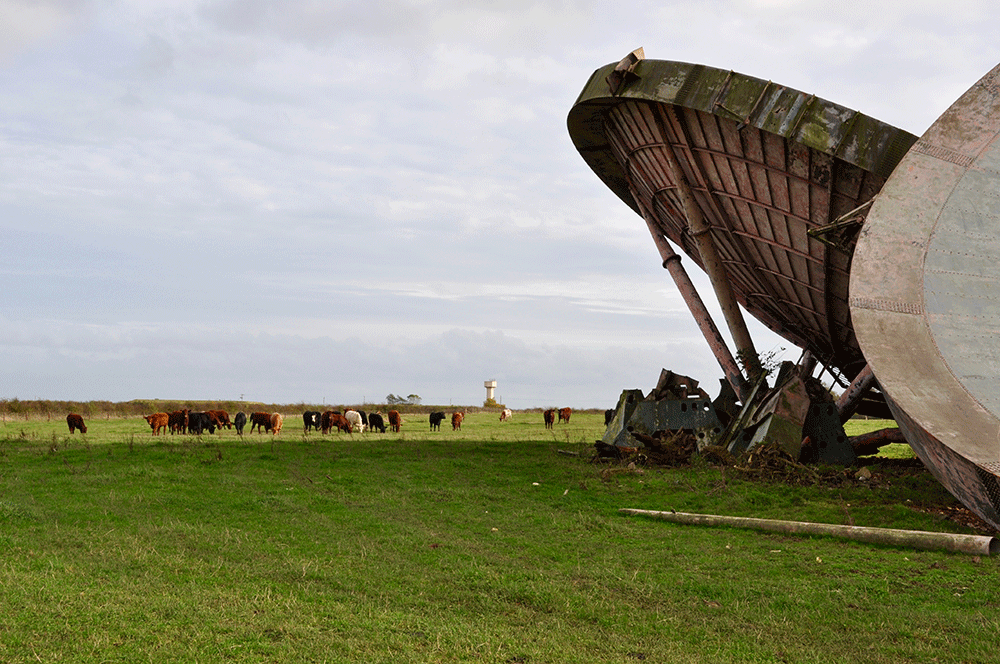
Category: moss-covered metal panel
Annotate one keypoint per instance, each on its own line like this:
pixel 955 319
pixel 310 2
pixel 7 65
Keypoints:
pixel 814 122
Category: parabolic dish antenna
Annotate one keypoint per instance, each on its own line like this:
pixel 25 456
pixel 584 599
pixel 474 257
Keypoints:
pixel 925 296
pixel 875 252
pixel 779 179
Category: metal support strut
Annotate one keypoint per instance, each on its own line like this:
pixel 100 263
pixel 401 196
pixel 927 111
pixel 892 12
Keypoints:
pixel 849 401
pixel 672 263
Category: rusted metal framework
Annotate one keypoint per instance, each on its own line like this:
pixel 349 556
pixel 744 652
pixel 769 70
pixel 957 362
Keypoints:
pixel 765 165
pixel 791 203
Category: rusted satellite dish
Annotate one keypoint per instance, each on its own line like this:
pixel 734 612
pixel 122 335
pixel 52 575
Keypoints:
pixel 925 296
pixel 767 188
pixel 773 171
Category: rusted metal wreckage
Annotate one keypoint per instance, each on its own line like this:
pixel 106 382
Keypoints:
pixel 678 418
pixel 873 250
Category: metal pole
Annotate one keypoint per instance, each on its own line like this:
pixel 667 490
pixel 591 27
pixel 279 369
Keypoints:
pixel 672 263
pixel 808 364
pixel 850 400
pixel 916 539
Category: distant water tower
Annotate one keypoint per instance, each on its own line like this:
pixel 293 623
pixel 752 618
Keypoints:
pixel 490 385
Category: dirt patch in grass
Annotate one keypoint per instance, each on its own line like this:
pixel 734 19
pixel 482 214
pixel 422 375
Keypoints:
pixel 957 514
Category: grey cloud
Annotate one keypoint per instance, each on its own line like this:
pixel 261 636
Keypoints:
pixel 317 23
pixel 26 24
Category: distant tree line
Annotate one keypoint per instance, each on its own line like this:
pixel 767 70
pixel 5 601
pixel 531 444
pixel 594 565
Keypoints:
pixel 15 408
pixel 412 400
pixel 50 409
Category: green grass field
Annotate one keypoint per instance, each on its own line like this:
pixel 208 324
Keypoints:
pixel 490 544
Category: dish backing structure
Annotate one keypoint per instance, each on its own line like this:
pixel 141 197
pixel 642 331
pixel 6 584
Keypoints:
pixel 873 250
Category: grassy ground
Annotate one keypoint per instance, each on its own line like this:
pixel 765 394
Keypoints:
pixel 483 545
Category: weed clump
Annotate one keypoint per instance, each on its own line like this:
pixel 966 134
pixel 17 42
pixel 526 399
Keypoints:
pixel 670 449
pixel 716 455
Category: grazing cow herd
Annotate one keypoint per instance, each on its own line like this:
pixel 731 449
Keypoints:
pixel 198 422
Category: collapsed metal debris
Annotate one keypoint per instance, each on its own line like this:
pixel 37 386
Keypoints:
pixel 677 404
pixel 799 415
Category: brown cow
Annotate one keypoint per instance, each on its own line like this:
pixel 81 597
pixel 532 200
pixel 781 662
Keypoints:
pixel 394 421
pixel 276 422
pixel 550 417
pixel 213 417
pixel 221 418
pixel 564 414
pixel 333 419
pixel 260 420
pixel 76 422
pixel 456 421
pixel 340 422
pixel 177 421
pixel 158 421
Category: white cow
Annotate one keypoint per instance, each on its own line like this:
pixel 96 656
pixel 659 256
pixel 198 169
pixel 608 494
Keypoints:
pixel 506 414
pixel 354 418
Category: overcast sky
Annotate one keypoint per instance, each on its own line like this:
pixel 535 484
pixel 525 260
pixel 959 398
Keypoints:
pixel 327 202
